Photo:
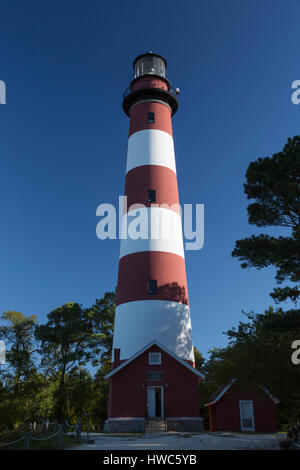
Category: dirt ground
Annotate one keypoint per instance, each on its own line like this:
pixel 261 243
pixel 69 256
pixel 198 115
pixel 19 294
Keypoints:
pixel 184 441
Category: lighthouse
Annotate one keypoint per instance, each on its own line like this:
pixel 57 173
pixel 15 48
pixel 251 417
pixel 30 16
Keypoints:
pixel 153 380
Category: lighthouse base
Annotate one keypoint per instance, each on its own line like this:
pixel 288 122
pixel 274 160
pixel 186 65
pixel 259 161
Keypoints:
pixel 125 425
pixel 185 424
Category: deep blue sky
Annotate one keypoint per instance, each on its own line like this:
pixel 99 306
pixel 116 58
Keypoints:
pixel 64 139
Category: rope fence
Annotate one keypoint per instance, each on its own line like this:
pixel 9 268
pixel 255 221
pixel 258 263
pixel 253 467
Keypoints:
pixel 60 434
pixel 13 442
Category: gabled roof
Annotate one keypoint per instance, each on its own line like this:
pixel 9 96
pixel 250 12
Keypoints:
pixel 219 393
pixel 222 390
pixel 165 349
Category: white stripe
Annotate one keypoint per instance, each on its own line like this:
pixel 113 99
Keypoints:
pixel 151 147
pixel 140 322
pixel 160 228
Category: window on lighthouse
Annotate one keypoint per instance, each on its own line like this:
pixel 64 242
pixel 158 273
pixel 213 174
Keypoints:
pixel 150 117
pixel 152 286
pixel 151 195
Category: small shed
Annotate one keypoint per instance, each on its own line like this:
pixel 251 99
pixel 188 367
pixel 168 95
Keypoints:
pixel 234 408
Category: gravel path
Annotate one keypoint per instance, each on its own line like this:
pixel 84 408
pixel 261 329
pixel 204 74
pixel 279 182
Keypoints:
pixel 184 441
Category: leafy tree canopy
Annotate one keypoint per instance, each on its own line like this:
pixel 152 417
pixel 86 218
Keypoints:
pixel 18 336
pixel 259 353
pixel 274 184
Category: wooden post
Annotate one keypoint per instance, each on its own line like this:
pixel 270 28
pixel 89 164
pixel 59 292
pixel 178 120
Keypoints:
pixel 60 436
pixel 27 441
pixel 78 431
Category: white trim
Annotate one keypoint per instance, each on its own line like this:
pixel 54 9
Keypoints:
pixel 274 399
pixel 166 350
pixel 243 428
pixel 221 394
pixel 151 147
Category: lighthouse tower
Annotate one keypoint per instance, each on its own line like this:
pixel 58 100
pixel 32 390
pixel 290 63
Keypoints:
pixel 153 374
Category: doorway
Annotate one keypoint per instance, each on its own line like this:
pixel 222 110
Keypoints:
pixel 155 402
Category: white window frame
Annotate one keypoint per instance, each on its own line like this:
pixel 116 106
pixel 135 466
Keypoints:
pixel 243 428
pixel 155 363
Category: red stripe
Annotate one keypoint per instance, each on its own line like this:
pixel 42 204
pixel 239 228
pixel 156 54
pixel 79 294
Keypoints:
pixel 138 117
pixel 161 179
pixel 149 82
pixel 137 268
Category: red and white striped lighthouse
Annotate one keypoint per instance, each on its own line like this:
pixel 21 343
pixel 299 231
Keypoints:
pixel 152 298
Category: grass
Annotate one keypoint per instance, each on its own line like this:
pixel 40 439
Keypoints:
pixel 50 444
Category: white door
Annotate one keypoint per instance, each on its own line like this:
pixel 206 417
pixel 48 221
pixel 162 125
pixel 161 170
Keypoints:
pixel 151 402
pixel 247 415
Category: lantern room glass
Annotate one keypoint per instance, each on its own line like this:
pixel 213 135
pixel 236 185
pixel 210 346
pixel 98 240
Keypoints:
pixel 150 65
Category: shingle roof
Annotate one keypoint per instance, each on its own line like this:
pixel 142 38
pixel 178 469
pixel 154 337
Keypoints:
pixel 215 397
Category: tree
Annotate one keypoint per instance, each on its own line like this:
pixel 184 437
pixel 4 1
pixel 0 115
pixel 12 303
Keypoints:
pixel 101 393
pixel 19 375
pixel 72 339
pixel 274 184
pixel 259 354
pixel 199 360
pixel 19 339
pixel 68 341
pixel 102 314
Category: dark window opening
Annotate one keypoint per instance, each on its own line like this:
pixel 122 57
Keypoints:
pixel 151 195
pixel 150 117
pixel 155 376
pixel 152 286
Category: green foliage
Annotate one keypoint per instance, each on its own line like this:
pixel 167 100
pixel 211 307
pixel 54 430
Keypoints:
pixel 259 353
pixel 19 340
pixel 274 184
pixel 18 378
pixel 259 350
pixel 199 360
pixel 99 401
pixel 68 342
pixel 102 314
pixel 60 386
pixel 48 444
